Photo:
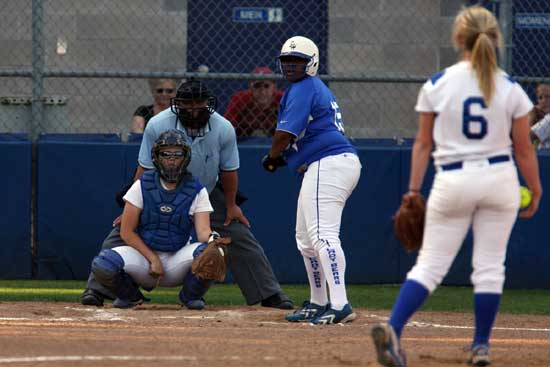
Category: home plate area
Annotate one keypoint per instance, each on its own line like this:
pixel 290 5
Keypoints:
pixel 63 334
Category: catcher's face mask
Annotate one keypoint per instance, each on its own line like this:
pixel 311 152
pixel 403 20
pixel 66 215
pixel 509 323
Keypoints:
pixel 172 163
pixel 171 155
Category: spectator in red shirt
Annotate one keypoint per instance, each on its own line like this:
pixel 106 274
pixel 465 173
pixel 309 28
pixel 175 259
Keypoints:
pixel 253 112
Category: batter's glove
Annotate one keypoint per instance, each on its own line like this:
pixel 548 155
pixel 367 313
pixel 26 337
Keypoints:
pixel 211 264
pixel 408 221
pixel 271 164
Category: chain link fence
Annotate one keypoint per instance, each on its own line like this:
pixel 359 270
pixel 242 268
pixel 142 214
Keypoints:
pixel 83 66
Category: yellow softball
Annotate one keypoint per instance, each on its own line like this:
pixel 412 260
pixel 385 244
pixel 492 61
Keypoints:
pixel 525 197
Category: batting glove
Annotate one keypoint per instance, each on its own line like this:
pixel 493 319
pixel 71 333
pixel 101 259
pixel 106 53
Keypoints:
pixel 271 164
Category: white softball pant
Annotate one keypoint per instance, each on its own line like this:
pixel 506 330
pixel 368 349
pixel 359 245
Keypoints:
pixel 326 186
pixel 175 264
pixel 480 194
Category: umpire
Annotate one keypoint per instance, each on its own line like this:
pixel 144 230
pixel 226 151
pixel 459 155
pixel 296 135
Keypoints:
pixel 214 161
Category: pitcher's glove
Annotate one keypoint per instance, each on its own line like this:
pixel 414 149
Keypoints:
pixel 271 164
pixel 408 221
pixel 211 264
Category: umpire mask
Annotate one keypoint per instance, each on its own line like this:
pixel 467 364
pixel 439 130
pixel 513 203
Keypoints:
pixel 171 163
pixel 193 105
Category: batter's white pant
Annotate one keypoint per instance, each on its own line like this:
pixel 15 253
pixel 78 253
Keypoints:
pixel 326 186
pixel 480 194
pixel 175 264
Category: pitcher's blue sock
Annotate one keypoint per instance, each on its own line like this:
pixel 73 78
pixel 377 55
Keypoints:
pixel 486 308
pixel 411 296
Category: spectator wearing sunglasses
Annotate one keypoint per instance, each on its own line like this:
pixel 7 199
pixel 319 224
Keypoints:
pixel 162 90
pixel 253 112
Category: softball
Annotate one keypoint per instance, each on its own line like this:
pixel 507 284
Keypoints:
pixel 525 197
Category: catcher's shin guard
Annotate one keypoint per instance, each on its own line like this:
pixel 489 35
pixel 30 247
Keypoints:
pixel 108 269
pixel 193 289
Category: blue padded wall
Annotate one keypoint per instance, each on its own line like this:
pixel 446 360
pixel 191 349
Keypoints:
pixel 76 187
pixel 94 137
pixel 15 196
pixel 77 182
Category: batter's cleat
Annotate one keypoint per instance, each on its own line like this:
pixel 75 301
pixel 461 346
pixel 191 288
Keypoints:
pixel 278 300
pixel 480 355
pixel 332 316
pixel 308 312
pixel 195 304
pixel 387 346
pixel 91 298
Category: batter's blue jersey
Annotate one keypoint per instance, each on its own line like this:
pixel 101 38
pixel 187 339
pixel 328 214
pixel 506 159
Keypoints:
pixel 308 110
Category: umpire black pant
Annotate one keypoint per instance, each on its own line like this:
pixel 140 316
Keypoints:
pixel 249 265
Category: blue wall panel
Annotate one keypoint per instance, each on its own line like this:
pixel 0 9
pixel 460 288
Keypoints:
pixel 77 183
pixel 76 187
pixel 15 196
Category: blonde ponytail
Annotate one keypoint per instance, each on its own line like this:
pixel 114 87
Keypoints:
pixel 476 30
pixel 484 62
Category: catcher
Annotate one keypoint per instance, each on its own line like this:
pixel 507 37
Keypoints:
pixel 161 209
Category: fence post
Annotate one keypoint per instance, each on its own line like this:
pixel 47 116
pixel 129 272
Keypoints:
pixel 37 114
pixel 507 24
pixel 37 67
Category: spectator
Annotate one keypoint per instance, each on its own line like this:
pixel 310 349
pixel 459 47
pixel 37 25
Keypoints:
pixel 162 90
pixel 540 118
pixel 253 112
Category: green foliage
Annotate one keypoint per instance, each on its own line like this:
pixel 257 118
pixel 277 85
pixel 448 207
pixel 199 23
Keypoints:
pixel 454 299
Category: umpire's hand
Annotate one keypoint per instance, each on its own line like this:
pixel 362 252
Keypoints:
pixel 233 212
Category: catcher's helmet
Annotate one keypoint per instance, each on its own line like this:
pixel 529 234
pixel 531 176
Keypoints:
pixel 171 170
pixel 193 105
pixel 303 48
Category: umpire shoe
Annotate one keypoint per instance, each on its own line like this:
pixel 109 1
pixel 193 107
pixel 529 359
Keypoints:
pixel 91 297
pixel 332 316
pixel 307 312
pixel 481 355
pixel 387 346
pixel 278 300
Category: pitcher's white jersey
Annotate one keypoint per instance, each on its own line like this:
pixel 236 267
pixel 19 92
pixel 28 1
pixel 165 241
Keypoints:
pixel 466 127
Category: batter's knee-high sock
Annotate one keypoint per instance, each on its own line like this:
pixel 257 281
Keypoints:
pixel 333 261
pixel 411 296
pixel 486 308
pixel 317 281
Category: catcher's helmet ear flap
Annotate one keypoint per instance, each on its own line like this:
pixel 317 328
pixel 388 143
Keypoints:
pixel 171 171
pixel 304 48
pixel 193 105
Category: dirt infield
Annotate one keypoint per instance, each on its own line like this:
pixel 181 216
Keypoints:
pixel 62 334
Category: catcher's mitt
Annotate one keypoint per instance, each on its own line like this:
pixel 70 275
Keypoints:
pixel 211 264
pixel 408 222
